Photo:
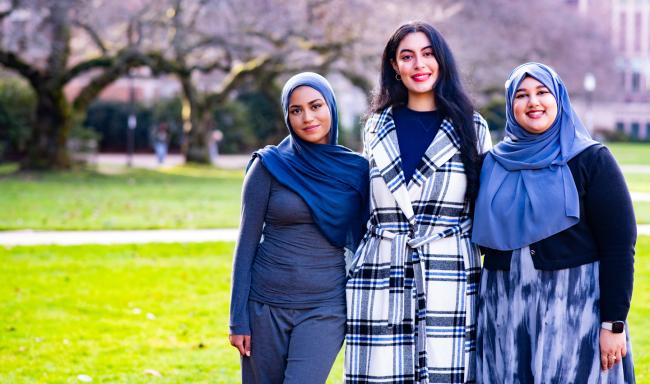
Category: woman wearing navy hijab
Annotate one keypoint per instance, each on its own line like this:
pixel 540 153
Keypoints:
pixel 303 202
pixel 555 220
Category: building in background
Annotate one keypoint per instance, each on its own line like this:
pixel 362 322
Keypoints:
pixel 629 32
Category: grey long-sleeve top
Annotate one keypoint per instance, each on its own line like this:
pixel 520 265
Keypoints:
pixel 294 266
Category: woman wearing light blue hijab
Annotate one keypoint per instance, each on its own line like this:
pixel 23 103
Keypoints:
pixel 555 220
pixel 303 202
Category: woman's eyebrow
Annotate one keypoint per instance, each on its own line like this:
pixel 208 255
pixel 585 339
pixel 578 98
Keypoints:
pixel 541 86
pixel 309 102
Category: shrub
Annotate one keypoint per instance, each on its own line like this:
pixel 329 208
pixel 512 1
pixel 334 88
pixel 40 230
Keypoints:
pixel 17 106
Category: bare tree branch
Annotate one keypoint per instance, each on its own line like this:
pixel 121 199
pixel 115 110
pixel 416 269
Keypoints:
pixel 94 36
pixel 12 61
pixel 88 65
pixel 235 77
pixel 60 44
pixel 119 67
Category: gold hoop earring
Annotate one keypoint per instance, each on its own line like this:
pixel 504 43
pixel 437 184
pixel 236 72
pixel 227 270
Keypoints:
pixel 398 77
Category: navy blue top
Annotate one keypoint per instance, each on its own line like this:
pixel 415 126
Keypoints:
pixel 606 233
pixel 282 258
pixel 415 132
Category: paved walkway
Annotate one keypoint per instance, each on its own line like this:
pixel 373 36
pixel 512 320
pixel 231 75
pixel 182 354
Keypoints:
pixel 640 196
pixel 144 160
pixel 135 237
pixel 116 237
pixel 634 168
pixel 28 237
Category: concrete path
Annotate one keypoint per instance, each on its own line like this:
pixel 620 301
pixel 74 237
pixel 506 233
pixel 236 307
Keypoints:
pixel 144 160
pixel 135 237
pixel 634 168
pixel 640 196
pixel 116 237
pixel 28 237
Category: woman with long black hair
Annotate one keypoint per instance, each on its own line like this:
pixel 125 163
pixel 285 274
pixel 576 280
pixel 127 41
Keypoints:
pixel 412 291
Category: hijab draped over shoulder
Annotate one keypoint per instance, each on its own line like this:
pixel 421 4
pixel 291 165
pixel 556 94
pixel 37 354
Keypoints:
pixel 527 190
pixel 330 178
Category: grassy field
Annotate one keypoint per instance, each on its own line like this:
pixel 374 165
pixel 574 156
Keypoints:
pixel 631 153
pixel 186 197
pixel 638 182
pixel 113 312
pixel 183 197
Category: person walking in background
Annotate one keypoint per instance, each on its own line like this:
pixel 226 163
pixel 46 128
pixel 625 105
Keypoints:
pixel 160 138
pixel 412 291
pixel 215 138
pixel 303 202
pixel 557 223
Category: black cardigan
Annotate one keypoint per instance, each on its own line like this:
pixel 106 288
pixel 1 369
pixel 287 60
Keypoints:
pixel 606 232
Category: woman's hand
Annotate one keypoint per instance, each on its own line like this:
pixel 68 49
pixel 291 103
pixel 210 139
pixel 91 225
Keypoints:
pixel 242 343
pixel 612 348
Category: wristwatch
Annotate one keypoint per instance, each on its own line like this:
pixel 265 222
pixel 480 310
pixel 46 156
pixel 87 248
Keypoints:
pixel 614 326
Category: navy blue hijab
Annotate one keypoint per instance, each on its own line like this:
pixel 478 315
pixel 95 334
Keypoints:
pixel 330 178
pixel 527 190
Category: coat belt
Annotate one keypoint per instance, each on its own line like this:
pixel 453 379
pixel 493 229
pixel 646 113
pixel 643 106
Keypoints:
pixel 403 247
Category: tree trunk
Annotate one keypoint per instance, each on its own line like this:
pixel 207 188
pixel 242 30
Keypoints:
pixel 196 139
pixel 199 140
pixel 47 147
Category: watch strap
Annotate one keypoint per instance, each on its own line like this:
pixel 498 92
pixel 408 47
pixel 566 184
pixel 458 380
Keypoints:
pixel 613 326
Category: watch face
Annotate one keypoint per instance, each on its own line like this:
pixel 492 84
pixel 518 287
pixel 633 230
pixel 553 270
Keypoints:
pixel 618 327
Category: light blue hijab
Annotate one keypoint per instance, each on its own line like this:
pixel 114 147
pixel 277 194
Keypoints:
pixel 527 190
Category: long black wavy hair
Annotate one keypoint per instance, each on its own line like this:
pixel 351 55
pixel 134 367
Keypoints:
pixel 451 99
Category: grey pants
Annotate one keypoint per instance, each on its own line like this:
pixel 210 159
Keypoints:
pixel 292 345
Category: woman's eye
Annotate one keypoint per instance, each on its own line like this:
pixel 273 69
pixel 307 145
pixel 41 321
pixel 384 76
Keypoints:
pixel 520 96
pixel 295 111
pixel 428 54
pixel 406 57
pixel 316 106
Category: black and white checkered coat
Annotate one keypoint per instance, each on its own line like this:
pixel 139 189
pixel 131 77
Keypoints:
pixel 412 293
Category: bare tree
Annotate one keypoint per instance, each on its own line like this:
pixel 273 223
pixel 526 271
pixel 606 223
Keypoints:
pixel 215 47
pixel 491 37
pixel 36 44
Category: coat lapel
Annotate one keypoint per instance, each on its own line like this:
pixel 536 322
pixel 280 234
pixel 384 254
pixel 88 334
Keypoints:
pixel 384 149
pixel 443 147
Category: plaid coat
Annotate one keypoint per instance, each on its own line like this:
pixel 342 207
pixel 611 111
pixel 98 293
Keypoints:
pixel 412 292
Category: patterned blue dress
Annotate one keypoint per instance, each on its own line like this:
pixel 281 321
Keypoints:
pixel 537 326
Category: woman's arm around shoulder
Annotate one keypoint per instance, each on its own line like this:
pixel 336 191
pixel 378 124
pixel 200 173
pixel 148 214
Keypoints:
pixel 484 140
pixel 366 135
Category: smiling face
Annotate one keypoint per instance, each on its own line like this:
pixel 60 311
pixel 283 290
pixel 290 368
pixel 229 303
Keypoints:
pixel 309 115
pixel 534 106
pixel 416 64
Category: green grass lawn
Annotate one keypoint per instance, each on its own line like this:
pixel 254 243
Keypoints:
pixel 68 311
pixel 631 153
pixel 638 182
pixel 642 212
pixel 184 197
pixel 84 310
